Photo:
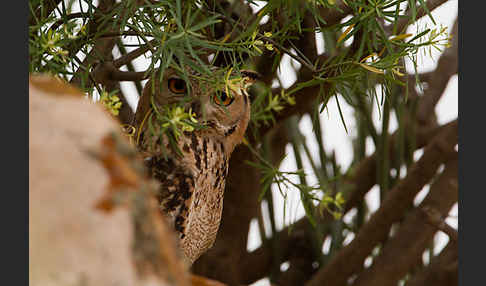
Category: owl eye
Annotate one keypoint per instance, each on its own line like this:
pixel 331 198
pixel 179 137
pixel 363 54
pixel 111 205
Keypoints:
pixel 177 85
pixel 223 99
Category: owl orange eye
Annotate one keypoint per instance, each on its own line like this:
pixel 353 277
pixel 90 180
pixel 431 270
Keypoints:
pixel 177 85
pixel 223 99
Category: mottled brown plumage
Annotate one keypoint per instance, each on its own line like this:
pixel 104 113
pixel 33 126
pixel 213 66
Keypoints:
pixel 192 185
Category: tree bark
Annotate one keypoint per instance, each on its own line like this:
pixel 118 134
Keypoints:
pixel 415 233
pixel 351 257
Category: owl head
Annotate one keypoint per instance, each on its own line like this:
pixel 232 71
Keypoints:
pixel 220 104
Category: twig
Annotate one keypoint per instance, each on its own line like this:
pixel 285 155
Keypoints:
pixel 106 73
pixel 130 66
pixel 47 7
pixel 434 217
pixel 447 66
pixel 363 178
pixel 421 12
pixel 68 17
pixel 270 40
pixel 103 46
pixel 125 59
pixel 288 52
pixel 258 262
pixel 119 75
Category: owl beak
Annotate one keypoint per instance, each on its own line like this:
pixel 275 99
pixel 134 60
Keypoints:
pixel 195 106
pixel 250 76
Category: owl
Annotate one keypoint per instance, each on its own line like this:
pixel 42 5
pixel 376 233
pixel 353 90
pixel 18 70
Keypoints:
pixel 192 173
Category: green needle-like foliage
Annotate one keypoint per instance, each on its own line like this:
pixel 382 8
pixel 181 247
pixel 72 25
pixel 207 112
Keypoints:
pixel 361 66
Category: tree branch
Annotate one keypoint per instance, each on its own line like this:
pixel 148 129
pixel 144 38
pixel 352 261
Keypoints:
pixel 101 47
pixel 68 17
pixel 336 14
pixel 106 72
pixel 446 68
pixel 442 270
pixel 398 199
pixel 258 262
pixel 104 44
pixel 125 59
pixel 435 218
pixel 364 176
pixel 421 12
pixel 400 253
pixel 43 12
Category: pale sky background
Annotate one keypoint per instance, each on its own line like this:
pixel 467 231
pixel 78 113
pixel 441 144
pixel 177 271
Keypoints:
pixel 336 138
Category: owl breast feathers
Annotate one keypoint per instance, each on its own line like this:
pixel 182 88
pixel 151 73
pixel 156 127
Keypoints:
pixel 192 179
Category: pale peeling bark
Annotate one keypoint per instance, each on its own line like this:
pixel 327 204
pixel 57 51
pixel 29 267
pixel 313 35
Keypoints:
pixel 71 241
